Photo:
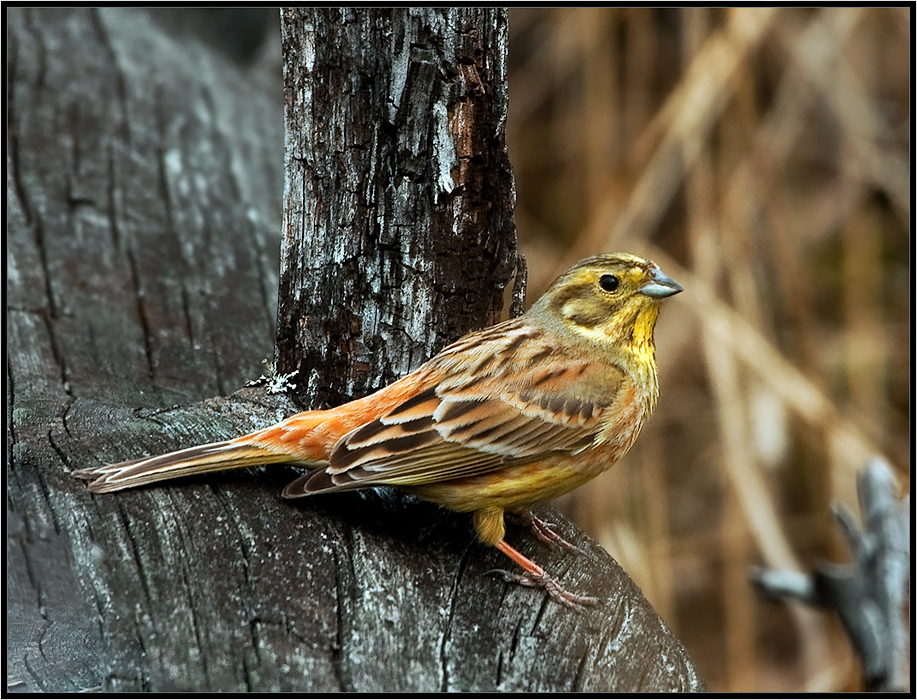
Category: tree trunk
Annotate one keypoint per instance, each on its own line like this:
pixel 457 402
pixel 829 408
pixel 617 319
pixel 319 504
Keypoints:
pixel 144 192
pixel 398 235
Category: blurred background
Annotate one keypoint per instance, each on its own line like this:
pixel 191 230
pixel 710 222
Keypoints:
pixel 761 157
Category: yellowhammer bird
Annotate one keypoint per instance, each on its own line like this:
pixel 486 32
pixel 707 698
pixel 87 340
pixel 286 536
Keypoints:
pixel 500 420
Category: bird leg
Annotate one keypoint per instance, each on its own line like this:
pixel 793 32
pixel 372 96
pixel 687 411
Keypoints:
pixel 543 530
pixel 535 577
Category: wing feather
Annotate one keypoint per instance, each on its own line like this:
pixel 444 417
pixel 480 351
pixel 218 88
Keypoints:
pixel 494 397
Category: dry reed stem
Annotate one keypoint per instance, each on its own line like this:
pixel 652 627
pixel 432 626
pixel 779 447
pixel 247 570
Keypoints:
pixel 686 119
pixel 765 361
pixel 738 630
pixel 820 59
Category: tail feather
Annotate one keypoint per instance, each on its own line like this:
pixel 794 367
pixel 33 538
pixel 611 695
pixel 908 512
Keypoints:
pixel 217 456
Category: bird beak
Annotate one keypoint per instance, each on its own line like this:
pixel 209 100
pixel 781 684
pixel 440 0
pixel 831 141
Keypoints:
pixel 660 285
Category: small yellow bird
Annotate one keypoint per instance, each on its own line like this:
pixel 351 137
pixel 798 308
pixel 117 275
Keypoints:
pixel 504 418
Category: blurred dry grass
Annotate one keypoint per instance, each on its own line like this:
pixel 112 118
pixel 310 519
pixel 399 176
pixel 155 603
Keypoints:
pixel 761 157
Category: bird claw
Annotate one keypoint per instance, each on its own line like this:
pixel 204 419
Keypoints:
pixel 557 592
pixel 544 531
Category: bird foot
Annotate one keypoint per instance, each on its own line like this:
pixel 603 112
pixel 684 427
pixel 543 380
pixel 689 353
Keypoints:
pixel 544 531
pixel 557 592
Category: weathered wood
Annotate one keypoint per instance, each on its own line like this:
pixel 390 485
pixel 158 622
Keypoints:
pixel 144 189
pixel 870 596
pixel 144 195
pixel 398 234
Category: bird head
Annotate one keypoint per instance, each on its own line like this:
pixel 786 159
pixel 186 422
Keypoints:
pixel 607 301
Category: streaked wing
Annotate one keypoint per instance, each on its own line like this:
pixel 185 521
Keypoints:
pixel 496 396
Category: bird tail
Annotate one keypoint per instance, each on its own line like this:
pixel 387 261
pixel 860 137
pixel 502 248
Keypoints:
pixel 217 456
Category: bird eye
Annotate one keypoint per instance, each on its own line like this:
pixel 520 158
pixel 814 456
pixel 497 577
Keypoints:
pixel 609 282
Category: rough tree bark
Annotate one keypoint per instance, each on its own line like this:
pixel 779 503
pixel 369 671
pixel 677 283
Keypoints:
pixel 398 234
pixel 144 191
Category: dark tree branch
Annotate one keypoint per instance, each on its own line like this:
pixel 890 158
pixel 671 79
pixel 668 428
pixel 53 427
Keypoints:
pixel 870 597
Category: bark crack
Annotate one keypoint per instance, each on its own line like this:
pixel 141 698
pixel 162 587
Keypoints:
pixel 447 630
pixel 579 680
pixel 542 609
pixel 113 203
pixel 195 626
pixel 245 547
pixel 337 648
pixel 142 316
pixel 14 121
pixel 59 451
pixel 108 46
pixel 53 311
pixel 187 313
pixel 256 648
pixel 343 560
pixel 135 557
